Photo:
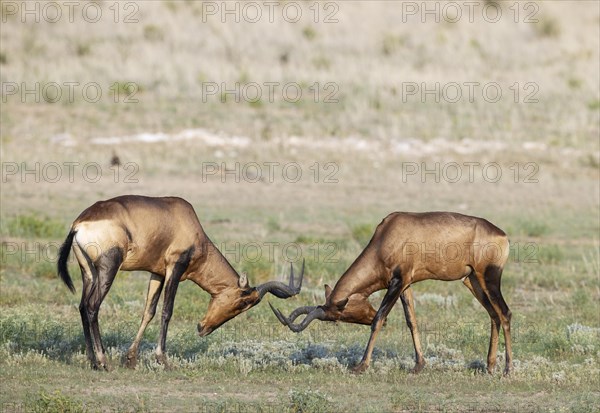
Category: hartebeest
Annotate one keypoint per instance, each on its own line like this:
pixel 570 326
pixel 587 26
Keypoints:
pixel 162 236
pixel 411 247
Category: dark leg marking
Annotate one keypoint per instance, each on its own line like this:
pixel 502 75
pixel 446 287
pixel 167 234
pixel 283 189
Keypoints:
pixel 472 283
pixel 493 275
pixel 106 267
pixel 172 282
pixel 394 290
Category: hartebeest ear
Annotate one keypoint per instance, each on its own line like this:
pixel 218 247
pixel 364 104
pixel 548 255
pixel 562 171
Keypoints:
pixel 327 291
pixel 243 281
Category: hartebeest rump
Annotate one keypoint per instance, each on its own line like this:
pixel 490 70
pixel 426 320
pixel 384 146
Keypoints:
pixel 162 236
pixel 410 247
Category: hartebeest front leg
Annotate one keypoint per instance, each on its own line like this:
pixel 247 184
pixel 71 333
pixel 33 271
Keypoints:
pixel 154 289
pixel 408 303
pixel 169 300
pixel 473 285
pixel 490 283
pixel 172 282
pixel 391 296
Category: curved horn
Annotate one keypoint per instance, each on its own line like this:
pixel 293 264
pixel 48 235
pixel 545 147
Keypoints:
pixel 279 289
pixel 301 310
pixel 317 313
pixel 295 314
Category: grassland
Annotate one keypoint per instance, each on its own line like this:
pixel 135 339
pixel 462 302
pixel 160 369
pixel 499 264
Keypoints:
pixel 365 148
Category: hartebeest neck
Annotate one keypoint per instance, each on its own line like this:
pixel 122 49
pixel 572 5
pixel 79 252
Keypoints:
pixel 365 276
pixel 213 273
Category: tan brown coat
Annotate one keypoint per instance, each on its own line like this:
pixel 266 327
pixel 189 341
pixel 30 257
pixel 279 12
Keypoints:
pixel 164 237
pixel 410 247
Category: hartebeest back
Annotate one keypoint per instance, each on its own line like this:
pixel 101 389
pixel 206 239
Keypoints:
pixel 410 247
pixel 162 236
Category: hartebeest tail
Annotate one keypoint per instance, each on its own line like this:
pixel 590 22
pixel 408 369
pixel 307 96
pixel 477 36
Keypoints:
pixel 164 237
pixel 410 247
pixel 63 256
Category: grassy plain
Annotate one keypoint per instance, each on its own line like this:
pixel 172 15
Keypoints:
pixel 365 148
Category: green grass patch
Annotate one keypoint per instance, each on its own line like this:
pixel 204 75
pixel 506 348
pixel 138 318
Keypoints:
pixel 304 401
pixel 550 254
pixel 529 227
pixel 32 226
pixel 362 233
pixel 56 402
pixel 547 27
pixel 259 270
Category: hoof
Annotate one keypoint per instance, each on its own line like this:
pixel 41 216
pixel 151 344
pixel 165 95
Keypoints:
pixel 100 366
pixel 131 362
pixel 418 367
pixel 359 368
pixel 162 360
pixel 507 371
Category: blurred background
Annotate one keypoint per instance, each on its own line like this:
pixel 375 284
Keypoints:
pixel 294 128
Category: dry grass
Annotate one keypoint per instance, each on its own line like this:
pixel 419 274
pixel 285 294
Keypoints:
pixel 171 65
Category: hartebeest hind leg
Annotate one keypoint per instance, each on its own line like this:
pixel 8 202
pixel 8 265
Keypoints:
pixel 395 288
pixel 87 284
pixel 411 321
pixel 154 289
pixel 97 277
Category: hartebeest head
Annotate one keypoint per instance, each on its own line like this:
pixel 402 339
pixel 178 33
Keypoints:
pixel 353 309
pixel 234 300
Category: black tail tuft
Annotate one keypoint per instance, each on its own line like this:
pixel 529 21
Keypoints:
pixel 63 256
